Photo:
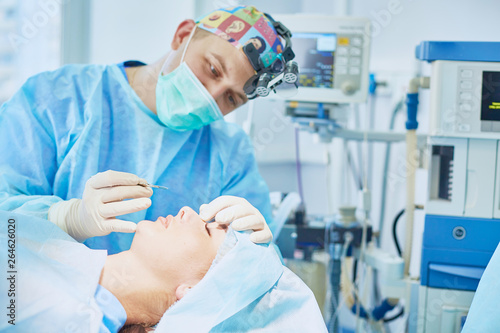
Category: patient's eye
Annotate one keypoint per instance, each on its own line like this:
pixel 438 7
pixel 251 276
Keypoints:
pixel 208 230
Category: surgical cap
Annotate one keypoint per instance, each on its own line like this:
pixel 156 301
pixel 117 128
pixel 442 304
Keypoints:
pixel 242 25
pixel 246 289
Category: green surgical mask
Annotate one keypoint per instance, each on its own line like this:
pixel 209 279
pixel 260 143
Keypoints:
pixel 182 102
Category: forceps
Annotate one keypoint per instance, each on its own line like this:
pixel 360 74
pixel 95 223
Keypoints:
pixel 154 186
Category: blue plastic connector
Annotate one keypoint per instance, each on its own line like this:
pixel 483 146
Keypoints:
pixel 412 106
pixel 372 86
pixel 380 311
pixel 321 111
pixel 362 311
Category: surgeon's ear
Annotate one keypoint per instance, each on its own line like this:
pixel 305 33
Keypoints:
pixel 182 290
pixel 183 31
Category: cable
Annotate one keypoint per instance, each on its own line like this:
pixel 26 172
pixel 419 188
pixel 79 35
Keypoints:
pixel 358 144
pixel 345 184
pixel 394 235
pixel 335 268
pixel 355 173
pixel 354 269
pixel 361 260
pixel 329 195
pixel 371 103
pixel 397 108
pixel 394 225
pixel 297 163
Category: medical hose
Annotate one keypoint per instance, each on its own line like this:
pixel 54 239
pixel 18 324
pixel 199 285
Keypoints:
pixel 357 123
pixel 394 234
pixel 411 162
pixel 297 164
pixel 339 280
pixel 355 173
pixel 394 225
pixel 396 110
pixel 335 266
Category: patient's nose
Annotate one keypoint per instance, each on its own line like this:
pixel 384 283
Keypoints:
pixel 187 214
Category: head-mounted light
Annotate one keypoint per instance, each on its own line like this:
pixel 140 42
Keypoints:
pixel 282 69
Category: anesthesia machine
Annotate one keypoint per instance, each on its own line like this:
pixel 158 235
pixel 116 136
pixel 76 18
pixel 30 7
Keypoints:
pixel 462 210
pixel 462 221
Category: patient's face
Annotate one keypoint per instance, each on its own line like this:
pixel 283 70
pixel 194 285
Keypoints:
pixel 182 246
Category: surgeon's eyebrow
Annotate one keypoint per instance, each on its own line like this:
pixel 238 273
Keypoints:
pixel 222 62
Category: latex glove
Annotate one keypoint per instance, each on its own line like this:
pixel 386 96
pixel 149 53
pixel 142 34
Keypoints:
pixel 94 214
pixel 240 214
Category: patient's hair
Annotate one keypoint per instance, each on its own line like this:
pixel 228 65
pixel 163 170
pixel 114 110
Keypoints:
pixel 134 328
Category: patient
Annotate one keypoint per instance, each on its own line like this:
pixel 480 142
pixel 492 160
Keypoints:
pixel 180 272
pixel 167 258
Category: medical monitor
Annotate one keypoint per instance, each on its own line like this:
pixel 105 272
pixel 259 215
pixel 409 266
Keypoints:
pixel 333 55
pixel 465 99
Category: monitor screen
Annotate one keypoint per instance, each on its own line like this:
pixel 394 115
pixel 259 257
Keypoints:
pixel 315 53
pixel 490 99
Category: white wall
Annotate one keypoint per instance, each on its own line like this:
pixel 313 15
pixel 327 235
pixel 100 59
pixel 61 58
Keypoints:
pixel 134 30
pixel 27 28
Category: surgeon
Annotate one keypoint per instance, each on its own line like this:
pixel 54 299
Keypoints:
pixel 80 144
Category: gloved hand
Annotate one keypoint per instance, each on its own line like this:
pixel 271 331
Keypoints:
pixel 94 214
pixel 240 214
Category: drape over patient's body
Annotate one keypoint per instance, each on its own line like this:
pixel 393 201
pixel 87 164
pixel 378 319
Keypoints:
pixel 57 281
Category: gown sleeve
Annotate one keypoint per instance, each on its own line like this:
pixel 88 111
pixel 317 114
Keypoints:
pixel 28 151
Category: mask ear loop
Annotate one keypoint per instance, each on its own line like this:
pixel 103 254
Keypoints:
pixel 187 44
pixel 183 52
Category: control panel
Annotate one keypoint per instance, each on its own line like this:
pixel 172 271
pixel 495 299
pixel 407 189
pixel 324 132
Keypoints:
pixel 465 99
pixel 333 55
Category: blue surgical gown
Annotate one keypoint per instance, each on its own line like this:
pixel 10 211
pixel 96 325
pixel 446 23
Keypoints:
pixel 64 126
pixel 113 313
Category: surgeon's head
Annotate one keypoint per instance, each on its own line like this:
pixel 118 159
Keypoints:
pixel 215 52
pixel 220 67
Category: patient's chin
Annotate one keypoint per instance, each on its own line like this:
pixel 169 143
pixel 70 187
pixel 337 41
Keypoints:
pixel 145 227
